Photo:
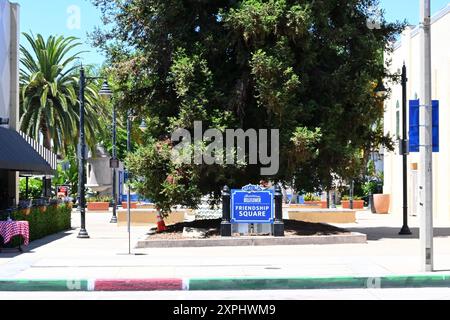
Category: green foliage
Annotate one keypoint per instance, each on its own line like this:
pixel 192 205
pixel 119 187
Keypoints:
pixel 347 198
pixel 34 188
pixel 49 93
pixel 69 176
pixel 54 219
pixel 308 68
pixel 99 199
pixel 372 187
pixel 312 197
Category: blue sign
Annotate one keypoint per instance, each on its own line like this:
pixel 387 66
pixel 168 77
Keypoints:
pixel 252 204
pixel 414 125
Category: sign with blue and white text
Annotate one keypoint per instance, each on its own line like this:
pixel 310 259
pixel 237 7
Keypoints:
pixel 252 204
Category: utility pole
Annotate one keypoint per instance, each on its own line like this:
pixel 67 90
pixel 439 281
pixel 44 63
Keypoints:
pixel 426 142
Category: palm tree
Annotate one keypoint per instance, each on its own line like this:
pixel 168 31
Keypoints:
pixel 49 94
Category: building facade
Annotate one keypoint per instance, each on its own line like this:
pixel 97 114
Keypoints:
pixel 407 51
pixel 19 154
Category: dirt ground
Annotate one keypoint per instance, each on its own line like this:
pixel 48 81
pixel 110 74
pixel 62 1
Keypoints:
pixel 292 229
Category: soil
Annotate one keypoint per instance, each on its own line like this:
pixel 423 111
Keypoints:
pixel 292 228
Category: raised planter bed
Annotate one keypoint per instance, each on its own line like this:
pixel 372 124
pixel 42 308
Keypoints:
pixel 98 206
pixel 134 205
pixel 357 204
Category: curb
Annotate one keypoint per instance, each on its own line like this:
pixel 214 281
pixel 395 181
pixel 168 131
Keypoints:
pixel 228 284
pixel 44 285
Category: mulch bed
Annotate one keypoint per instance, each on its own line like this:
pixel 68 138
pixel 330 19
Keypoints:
pixel 292 229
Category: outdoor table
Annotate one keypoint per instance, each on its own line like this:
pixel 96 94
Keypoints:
pixel 9 229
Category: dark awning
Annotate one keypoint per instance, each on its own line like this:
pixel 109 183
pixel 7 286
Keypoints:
pixel 16 154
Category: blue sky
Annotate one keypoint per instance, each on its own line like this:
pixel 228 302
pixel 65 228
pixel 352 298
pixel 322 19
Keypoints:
pixel 55 17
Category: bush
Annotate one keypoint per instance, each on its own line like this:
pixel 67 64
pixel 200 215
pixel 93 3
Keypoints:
pixel 54 219
pixel 34 188
pixel 312 197
pixel 347 198
pixel 99 199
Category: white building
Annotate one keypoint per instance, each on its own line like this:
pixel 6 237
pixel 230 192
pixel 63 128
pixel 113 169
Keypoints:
pixel 407 51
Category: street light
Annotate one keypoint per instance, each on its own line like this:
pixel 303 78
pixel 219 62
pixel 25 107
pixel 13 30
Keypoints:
pixel 107 93
pixel 143 126
pixel 82 160
pixel 380 89
pixel 404 152
pixel 83 234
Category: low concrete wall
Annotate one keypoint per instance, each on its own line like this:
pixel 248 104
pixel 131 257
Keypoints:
pixel 145 217
pixel 323 216
pixel 350 238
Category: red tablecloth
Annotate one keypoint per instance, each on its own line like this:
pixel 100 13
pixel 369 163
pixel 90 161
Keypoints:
pixel 9 229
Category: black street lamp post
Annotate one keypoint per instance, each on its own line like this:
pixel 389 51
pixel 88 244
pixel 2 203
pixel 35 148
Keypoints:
pixel 82 161
pixel 83 234
pixel 404 152
pixel 114 162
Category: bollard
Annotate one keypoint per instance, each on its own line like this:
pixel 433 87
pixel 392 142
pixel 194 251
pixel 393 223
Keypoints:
pixel 225 226
pixel 278 225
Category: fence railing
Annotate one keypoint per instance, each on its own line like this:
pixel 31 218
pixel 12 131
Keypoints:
pixel 49 156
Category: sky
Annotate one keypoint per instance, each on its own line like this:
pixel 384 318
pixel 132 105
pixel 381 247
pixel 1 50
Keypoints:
pixel 79 17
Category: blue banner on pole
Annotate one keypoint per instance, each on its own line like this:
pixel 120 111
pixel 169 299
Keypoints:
pixel 252 205
pixel 414 128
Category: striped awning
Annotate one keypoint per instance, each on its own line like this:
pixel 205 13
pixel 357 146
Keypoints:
pixel 19 153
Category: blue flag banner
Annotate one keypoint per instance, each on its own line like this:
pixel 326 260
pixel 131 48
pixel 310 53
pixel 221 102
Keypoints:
pixel 414 128
pixel 252 206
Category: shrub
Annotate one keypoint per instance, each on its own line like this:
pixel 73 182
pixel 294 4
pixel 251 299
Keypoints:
pixel 312 197
pixel 34 188
pixel 54 219
pixel 347 198
pixel 99 199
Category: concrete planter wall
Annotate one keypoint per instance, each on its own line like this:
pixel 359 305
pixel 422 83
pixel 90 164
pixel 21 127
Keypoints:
pixel 98 206
pixel 125 205
pixel 319 204
pixel 382 203
pixel 357 204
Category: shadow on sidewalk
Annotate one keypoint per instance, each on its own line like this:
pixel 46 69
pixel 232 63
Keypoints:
pixel 8 253
pixel 378 233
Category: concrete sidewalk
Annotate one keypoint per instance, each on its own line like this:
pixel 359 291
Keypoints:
pixel 104 256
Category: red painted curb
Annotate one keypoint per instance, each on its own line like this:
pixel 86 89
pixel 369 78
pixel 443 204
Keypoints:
pixel 139 285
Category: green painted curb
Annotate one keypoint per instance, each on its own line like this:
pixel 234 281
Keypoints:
pixel 43 285
pixel 319 283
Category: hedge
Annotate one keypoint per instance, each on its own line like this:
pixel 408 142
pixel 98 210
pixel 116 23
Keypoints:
pixel 44 221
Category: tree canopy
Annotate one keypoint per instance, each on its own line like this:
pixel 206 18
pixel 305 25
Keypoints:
pixel 305 67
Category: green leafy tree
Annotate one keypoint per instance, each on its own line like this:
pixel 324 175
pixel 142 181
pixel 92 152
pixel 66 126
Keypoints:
pixel 49 93
pixel 308 68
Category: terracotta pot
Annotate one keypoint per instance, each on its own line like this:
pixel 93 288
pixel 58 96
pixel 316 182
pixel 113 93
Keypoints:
pixel 382 203
pixel 125 205
pixel 324 204
pixel 98 206
pixel 26 211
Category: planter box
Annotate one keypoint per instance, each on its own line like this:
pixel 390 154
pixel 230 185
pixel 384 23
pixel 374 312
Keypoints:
pixel 133 205
pixel 357 204
pixel 382 203
pixel 98 206
pixel 319 204
pixel 148 217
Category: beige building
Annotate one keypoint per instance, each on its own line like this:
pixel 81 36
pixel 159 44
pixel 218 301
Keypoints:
pixel 407 51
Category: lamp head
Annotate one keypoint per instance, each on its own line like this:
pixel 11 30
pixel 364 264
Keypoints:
pixel 105 91
pixel 380 90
